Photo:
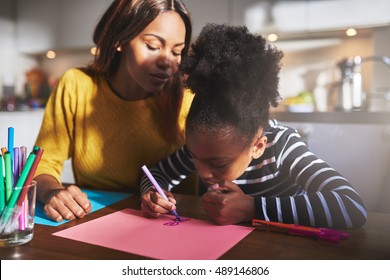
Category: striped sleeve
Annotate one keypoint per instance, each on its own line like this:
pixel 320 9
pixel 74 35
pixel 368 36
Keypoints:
pixel 170 171
pixel 326 199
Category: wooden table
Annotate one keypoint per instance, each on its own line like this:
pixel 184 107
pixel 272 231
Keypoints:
pixel 369 242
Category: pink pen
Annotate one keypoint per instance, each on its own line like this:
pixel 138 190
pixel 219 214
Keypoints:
pixel 326 234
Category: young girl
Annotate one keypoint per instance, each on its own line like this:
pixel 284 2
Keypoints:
pixel 254 167
pixel 127 108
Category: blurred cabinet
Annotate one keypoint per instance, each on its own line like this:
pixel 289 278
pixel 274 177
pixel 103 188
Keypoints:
pixel 59 24
pixel 36 25
pixel 360 152
pixel 53 24
pixel 308 16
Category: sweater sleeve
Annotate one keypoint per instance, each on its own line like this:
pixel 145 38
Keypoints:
pixel 56 132
pixel 170 171
pixel 327 199
pixel 185 107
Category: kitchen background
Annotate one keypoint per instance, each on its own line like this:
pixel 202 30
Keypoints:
pixel 335 86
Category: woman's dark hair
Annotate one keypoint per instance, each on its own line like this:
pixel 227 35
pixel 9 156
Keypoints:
pixel 122 22
pixel 235 76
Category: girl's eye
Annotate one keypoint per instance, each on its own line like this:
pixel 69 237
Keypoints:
pixel 220 165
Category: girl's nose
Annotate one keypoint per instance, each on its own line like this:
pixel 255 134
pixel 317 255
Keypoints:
pixel 203 171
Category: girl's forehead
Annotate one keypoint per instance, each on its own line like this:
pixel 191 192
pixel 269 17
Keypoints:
pixel 204 143
pixel 210 135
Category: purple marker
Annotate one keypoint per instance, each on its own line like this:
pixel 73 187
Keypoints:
pixel 158 188
pixel 16 162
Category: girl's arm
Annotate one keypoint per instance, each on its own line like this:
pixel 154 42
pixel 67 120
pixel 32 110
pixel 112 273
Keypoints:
pixel 168 173
pixel 326 198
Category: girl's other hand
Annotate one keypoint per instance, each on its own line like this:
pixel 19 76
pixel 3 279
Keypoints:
pixel 227 204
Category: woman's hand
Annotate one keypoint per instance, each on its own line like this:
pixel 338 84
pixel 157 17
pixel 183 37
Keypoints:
pixel 226 204
pixel 68 203
pixel 60 202
pixel 153 204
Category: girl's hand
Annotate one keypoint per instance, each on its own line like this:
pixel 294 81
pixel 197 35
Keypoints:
pixel 153 205
pixel 67 203
pixel 226 204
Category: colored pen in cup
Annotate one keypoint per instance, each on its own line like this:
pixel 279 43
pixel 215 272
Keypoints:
pixel 158 188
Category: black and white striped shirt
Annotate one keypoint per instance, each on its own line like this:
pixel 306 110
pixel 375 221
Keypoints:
pixel 289 183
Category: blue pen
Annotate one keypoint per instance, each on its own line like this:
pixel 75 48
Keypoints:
pixel 158 188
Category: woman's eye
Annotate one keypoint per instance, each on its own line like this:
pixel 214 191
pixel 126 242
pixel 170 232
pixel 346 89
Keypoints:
pixel 176 53
pixel 151 47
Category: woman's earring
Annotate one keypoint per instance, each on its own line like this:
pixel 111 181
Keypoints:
pixel 118 47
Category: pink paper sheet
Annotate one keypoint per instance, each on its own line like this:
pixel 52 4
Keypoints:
pixel 129 231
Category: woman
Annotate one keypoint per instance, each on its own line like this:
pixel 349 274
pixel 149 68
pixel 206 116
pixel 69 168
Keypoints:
pixel 125 110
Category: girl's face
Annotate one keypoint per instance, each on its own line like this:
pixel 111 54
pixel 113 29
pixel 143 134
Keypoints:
pixel 222 157
pixel 152 58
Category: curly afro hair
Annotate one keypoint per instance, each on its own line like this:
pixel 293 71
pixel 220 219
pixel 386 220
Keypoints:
pixel 235 76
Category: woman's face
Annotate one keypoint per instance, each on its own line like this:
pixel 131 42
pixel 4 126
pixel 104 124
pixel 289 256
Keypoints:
pixel 152 57
pixel 222 156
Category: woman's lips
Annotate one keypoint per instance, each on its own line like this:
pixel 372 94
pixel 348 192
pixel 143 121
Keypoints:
pixel 159 78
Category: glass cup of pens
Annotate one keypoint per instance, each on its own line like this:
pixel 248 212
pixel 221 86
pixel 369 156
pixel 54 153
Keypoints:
pixel 17 192
pixel 17 222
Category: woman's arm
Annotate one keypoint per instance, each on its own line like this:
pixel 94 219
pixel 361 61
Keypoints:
pixel 56 138
pixel 60 202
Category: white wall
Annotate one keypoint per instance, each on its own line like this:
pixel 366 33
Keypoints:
pixel 26 125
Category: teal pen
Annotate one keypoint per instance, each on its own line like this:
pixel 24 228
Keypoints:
pixel 11 137
pixel 158 188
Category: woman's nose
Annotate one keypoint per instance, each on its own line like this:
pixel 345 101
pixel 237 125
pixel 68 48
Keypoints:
pixel 164 60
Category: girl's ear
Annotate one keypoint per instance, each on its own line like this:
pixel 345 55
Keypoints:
pixel 259 146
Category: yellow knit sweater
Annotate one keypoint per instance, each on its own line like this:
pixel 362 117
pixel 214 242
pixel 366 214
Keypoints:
pixel 108 138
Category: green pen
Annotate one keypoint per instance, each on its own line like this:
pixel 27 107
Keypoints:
pixel 2 190
pixel 8 175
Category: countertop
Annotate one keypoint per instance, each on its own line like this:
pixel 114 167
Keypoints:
pixel 357 117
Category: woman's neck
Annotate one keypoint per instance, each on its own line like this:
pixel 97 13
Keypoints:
pixel 126 88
